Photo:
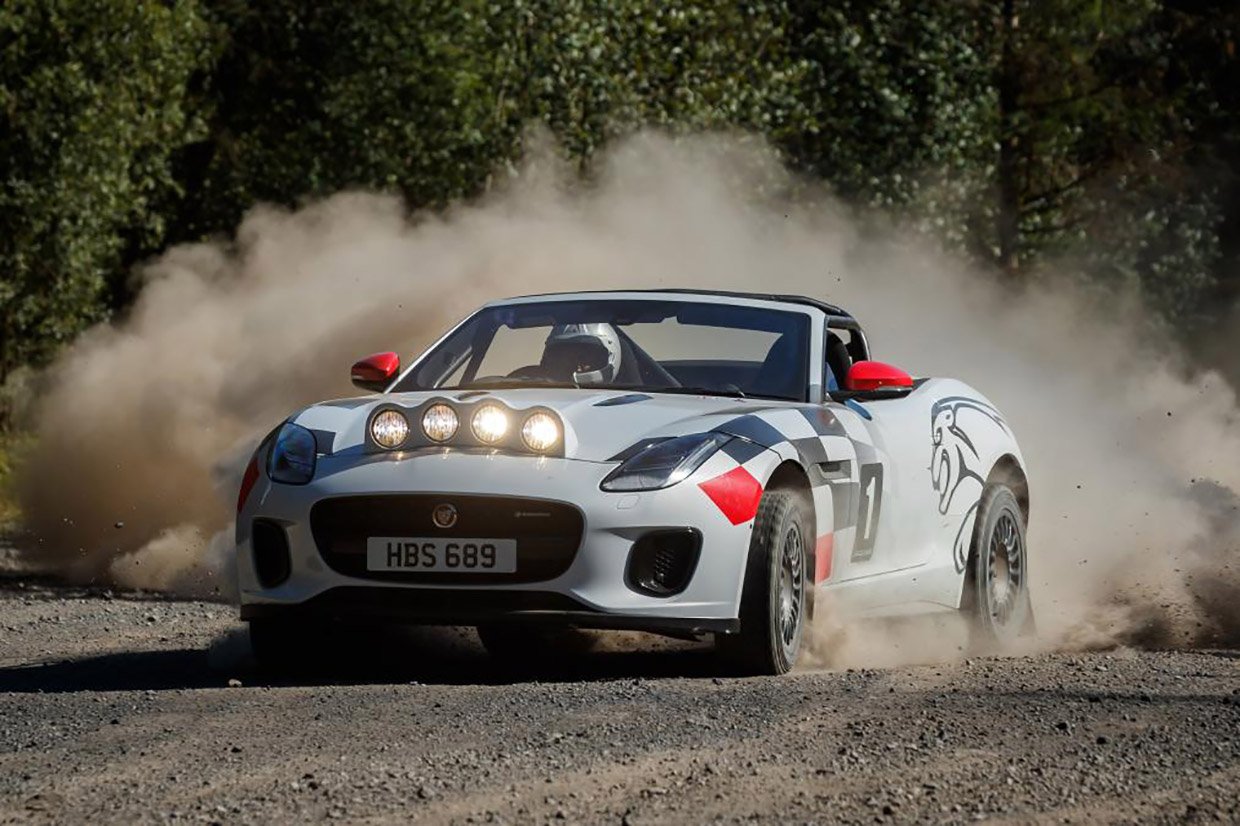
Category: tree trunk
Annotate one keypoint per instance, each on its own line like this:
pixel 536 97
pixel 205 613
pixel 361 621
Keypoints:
pixel 1008 83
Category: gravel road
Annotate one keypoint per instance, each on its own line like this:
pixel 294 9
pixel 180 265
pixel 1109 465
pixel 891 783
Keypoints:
pixel 125 708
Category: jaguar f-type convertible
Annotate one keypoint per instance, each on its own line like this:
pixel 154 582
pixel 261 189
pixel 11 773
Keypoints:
pixel 682 462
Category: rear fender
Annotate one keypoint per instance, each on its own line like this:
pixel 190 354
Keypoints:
pixel 969 439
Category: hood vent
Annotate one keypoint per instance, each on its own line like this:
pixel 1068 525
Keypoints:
pixel 616 401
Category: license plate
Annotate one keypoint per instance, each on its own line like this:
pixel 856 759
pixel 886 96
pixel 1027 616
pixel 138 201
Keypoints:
pixel 405 553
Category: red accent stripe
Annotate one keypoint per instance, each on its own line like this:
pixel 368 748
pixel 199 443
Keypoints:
pixel 736 493
pixel 822 557
pixel 247 483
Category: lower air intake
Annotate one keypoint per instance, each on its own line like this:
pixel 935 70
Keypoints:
pixel 662 562
pixel 269 543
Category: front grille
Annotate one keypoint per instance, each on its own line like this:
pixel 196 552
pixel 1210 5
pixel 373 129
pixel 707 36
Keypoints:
pixel 548 534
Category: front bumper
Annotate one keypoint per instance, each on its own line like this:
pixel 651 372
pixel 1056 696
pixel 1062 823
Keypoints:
pixel 462 606
pixel 591 591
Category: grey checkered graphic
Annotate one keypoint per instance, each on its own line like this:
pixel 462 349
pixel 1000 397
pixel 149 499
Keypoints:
pixel 815 435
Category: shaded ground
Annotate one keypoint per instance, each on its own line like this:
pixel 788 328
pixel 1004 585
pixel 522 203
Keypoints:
pixel 118 708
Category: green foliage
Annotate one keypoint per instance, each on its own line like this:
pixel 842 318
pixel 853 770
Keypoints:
pixel 311 98
pixel 429 98
pixel 593 69
pixel 12 448
pixel 1084 115
pixel 1020 131
pixel 92 105
pixel 1102 130
pixel 1203 77
pixel 899 96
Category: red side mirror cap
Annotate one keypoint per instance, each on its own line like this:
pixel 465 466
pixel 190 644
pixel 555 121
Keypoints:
pixel 874 375
pixel 375 372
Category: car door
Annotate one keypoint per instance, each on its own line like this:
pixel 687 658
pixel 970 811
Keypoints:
pixel 859 476
pixel 898 558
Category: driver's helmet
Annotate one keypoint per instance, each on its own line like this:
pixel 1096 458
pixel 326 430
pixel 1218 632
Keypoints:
pixel 589 352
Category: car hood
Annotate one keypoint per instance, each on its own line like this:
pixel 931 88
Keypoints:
pixel 598 424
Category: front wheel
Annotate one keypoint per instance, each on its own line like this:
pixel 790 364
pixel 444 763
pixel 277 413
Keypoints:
pixel 775 599
pixel 996 597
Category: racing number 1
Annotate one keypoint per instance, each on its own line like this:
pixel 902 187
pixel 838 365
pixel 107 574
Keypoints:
pixel 868 510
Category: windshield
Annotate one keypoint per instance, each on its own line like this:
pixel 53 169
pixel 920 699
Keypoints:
pixel 651 345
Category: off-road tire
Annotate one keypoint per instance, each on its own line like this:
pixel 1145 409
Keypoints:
pixel 777 571
pixel 996 599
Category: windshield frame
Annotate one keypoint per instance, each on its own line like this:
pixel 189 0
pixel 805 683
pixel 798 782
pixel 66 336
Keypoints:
pixel 806 327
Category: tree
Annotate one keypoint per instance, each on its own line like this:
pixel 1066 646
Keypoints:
pixel 899 99
pixel 309 99
pixel 429 99
pixel 92 106
pixel 593 69
pixel 1019 131
pixel 1078 90
pixel 1203 73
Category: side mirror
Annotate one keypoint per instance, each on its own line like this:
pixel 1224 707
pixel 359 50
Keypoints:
pixel 375 372
pixel 867 376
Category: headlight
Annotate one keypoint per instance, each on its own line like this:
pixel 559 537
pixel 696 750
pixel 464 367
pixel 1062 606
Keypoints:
pixel 540 432
pixel 665 463
pixel 389 429
pixel 292 456
pixel 440 422
pixel 490 423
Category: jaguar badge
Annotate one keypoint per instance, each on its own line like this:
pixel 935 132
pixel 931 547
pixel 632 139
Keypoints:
pixel 444 516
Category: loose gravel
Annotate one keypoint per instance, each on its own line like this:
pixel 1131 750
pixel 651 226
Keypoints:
pixel 134 709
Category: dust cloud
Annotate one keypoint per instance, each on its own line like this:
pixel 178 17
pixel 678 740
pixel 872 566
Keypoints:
pixel 146 423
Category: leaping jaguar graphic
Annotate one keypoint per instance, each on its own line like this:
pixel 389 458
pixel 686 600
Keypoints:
pixel 954 460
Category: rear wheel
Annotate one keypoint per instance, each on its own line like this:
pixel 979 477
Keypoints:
pixel 775 599
pixel 996 596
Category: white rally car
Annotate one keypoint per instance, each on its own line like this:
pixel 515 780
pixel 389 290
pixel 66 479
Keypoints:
pixel 682 462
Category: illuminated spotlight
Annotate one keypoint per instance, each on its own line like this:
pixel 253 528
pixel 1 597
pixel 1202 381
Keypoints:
pixel 440 423
pixel 540 432
pixel 389 429
pixel 490 423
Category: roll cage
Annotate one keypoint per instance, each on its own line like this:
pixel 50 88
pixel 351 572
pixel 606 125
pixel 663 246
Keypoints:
pixel 841 342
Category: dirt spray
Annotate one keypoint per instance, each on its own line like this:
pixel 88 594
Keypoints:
pixel 147 422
